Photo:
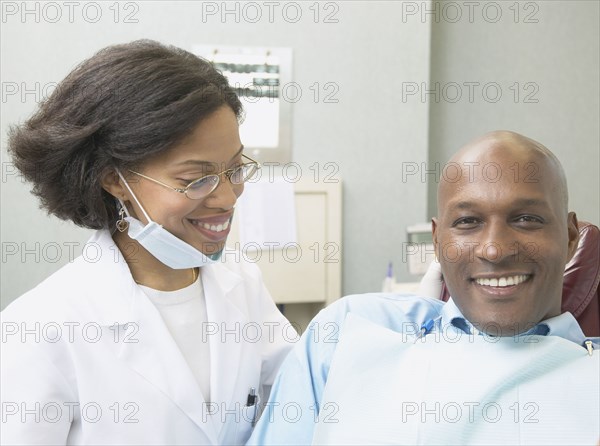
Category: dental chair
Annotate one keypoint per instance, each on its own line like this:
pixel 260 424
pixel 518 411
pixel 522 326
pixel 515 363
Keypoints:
pixel 581 294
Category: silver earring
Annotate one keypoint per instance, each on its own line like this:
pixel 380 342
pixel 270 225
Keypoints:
pixel 122 224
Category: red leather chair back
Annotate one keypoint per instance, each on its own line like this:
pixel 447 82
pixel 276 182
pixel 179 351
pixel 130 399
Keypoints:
pixel 581 294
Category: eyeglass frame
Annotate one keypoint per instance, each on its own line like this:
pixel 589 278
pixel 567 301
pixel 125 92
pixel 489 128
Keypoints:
pixel 228 173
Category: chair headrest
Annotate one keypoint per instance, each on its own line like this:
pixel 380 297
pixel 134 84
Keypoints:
pixel 582 273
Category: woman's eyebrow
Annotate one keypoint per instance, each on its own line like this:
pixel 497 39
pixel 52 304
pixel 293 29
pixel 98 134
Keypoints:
pixel 208 163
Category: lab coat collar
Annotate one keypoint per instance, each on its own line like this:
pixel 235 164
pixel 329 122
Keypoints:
pixel 112 292
pixel 564 325
pixel 114 297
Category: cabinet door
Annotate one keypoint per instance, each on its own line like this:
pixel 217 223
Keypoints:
pixel 308 270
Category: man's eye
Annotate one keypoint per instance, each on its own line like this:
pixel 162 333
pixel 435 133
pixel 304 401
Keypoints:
pixel 529 219
pixel 466 222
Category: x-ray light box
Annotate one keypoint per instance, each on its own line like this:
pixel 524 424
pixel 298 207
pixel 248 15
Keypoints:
pixel 262 80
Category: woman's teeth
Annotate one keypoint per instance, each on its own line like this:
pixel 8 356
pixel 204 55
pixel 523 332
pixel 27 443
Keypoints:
pixel 213 228
pixel 217 228
pixel 503 281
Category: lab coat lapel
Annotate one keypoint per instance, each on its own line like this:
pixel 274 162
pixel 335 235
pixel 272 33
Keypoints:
pixel 221 290
pixel 116 299
pixel 157 359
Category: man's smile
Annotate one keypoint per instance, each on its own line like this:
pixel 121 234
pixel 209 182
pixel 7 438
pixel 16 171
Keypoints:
pixel 502 281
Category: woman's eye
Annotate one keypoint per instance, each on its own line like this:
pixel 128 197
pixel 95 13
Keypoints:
pixel 186 181
pixel 235 167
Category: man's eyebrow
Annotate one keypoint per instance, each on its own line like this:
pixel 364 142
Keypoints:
pixel 463 205
pixel 519 202
pixel 527 202
pixel 208 163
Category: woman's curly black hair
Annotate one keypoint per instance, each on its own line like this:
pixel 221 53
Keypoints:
pixel 117 109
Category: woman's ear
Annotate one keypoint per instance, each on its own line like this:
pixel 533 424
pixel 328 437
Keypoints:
pixel 112 184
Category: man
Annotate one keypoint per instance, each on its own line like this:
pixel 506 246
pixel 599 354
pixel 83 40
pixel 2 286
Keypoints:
pixel 498 363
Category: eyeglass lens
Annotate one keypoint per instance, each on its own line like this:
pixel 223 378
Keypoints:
pixel 208 184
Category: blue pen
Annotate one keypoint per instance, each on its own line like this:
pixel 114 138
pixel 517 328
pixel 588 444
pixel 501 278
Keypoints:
pixel 425 328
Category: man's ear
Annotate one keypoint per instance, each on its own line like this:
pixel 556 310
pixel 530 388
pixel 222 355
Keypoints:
pixel 573 231
pixel 112 184
pixel 434 236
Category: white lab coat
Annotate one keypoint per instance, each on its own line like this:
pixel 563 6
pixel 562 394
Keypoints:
pixel 87 359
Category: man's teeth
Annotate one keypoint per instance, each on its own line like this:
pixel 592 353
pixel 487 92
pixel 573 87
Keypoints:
pixel 503 281
pixel 213 228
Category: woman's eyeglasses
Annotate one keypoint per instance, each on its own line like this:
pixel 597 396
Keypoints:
pixel 206 185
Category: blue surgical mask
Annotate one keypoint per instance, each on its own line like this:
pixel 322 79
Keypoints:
pixel 167 248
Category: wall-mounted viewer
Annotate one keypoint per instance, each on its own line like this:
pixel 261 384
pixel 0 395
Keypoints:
pixel 262 80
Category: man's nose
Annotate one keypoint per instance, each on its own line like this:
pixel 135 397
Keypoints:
pixel 497 244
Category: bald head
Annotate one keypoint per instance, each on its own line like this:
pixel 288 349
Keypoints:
pixel 508 154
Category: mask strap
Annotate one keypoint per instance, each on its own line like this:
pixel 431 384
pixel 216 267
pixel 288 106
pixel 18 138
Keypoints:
pixel 134 197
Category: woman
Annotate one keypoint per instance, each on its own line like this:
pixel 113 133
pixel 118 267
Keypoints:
pixel 160 338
